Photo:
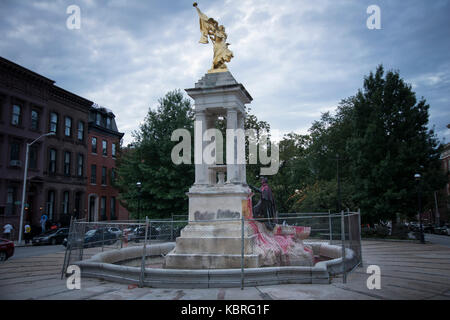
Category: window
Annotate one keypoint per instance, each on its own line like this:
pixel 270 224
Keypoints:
pixel 98 119
pixel 53 122
pixel 80 130
pixel 104 148
pixel 10 199
pixel 15 151
pixel 113 150
pixel 68 127
pixel 80 166
pixel 32 157
pixel 77 204
pixel 113 175
pixel 94 145
pixel 103 175
pixel 103 207
pixel 93 174
pixel 113 208
pixel 65 202
pixel 67 157
pixel 15 119
pixel 52 161
pixel 108 122
pixel 51 204
pixel 34 120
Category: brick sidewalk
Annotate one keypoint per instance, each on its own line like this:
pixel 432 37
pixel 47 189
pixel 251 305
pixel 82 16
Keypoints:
pixel 408 271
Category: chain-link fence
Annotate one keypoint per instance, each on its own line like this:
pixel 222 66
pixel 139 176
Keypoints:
pixel 235 243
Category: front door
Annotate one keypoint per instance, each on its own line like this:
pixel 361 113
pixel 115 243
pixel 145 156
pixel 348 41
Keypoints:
pixel 93 208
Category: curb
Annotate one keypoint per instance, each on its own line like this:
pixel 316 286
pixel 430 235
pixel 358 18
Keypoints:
pixel 392 240
pixel 16 245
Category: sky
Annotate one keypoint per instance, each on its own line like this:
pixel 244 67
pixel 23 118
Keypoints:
pixel 297 58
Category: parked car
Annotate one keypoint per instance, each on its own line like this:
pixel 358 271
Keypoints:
pixel 6 249
pixel 116 231
pixel 97 237
pixel 414 226
pixel 444 230
pixel 51 237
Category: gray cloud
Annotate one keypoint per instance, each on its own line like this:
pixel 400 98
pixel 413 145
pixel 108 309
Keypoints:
pixel 296 58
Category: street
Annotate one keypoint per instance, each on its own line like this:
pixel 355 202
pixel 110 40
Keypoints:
pixel 438 239
pixel 34 251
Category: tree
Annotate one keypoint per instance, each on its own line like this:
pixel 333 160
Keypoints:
pixel 164 183
pixel 292 171
pixel 390 143
pixel 309 164
pixel 321 196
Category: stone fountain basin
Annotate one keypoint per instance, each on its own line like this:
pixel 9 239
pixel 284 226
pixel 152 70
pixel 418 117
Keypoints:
pixel 111 265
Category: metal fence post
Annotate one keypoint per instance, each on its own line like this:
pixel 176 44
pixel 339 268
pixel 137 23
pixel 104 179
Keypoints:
pixel 121 237
pixel 350 230
pixel 344 274
pixel 171 230
pixel 82 247
pixel 242 252
pixel 330 226
pixel 63 271
pixel 144 253
pixel 359 238
pixel 103 238
pixel 149 232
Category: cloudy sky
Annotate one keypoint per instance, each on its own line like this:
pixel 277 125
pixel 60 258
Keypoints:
pixel 297 58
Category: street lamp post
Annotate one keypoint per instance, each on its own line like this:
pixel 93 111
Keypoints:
pixel 25 172
pixel 338 182
pixel 139 186
pixel 417 176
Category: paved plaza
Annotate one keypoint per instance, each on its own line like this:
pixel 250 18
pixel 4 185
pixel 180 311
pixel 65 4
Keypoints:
pixel 408 271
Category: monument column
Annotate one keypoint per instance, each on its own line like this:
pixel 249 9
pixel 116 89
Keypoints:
pixel 232 167
pixel 210 124
pixel 199 130
pixel 241 166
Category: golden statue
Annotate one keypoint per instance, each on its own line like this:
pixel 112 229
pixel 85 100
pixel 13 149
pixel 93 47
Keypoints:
pixel 210 27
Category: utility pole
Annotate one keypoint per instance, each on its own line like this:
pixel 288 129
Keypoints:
pixel 24 187
pixel 437 215
pixel 417 176
pixel 338 183
pixel 338 177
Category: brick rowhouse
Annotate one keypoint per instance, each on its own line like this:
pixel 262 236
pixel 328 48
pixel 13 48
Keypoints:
pixel 102 201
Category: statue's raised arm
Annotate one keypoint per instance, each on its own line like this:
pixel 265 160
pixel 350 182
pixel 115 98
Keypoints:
pixel 210 27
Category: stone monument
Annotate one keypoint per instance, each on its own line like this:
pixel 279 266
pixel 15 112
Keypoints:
pixel 220 196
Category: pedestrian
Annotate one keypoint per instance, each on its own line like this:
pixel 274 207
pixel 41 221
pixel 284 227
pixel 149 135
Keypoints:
pixel 7 231
pixel 43 221
pixel 27 233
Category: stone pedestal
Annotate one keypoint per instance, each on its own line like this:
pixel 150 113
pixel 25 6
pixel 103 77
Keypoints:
pixel 212 239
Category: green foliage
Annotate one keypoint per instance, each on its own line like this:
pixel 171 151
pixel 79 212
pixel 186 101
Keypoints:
pixel 148 160
pixel 321 196
pixel 390 143
pixel 382 139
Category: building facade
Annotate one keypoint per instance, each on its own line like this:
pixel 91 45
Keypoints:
pixel 104 141
pixel 443 197
pixel 31 105
pixel 59 181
